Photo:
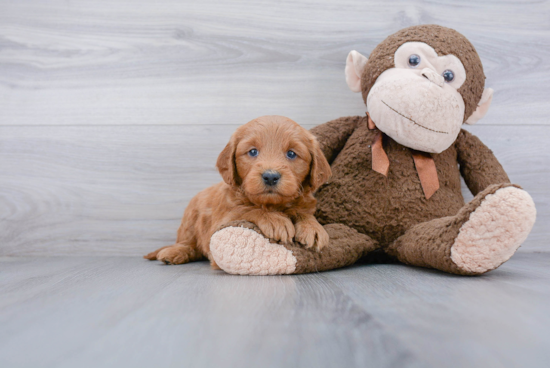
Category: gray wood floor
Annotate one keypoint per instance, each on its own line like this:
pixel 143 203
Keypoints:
pixel 127 312
pixel 112 114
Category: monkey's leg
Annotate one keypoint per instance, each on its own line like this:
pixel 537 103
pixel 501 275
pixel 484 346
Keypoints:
pixel 484 234
pixel 240 248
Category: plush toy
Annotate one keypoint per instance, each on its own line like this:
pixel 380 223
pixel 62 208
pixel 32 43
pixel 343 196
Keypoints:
pixel 395 188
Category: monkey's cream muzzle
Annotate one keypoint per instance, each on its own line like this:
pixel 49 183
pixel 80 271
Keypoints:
pixel 393 104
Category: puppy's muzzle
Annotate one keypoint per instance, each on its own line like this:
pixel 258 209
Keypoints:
pixel 271 178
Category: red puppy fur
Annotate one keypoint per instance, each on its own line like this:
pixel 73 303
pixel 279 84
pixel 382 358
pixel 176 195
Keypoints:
pixel 271 167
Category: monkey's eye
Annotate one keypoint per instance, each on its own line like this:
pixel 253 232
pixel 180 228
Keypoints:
pixel 414 60
pixel 448 75
pixel 253 152
pixel 291 155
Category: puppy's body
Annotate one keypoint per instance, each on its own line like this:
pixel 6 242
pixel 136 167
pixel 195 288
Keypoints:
pixel 264 184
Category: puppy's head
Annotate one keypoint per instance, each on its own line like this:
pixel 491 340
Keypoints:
pixel 273 160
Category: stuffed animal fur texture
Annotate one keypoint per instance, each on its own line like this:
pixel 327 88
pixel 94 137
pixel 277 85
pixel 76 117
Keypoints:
pixel 395 190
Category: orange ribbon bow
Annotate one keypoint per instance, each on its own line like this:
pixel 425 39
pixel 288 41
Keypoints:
pixel 423 161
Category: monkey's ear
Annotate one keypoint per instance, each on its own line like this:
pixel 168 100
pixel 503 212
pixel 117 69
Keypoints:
pixel 355 64
pixel 226 164
pixel 482 106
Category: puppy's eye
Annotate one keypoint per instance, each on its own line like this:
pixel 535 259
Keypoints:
pixel 291 155
pixel 448 75
pixel 253 152
pixel 414 60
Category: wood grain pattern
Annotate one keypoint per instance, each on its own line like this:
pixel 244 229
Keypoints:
pixel 112 112
pixel 120 311
pixel 122 190
pixel 188 62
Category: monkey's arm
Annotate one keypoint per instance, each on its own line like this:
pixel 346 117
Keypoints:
pixel 332 136
pixel 478 165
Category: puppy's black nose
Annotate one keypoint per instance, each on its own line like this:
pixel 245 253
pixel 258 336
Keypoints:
pixel 271 178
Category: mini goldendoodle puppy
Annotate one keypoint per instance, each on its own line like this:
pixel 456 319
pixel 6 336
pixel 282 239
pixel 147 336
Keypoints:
pixel 271 167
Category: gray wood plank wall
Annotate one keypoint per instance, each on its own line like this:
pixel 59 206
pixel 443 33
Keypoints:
pixel 112 112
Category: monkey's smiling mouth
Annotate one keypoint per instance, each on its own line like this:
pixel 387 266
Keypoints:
pixel 414 122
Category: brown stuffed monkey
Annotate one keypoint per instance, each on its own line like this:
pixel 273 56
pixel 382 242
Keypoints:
pixel 395 186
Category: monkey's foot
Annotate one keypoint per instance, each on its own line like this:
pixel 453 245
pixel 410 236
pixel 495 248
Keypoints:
pixel 241 249
pixel 494 230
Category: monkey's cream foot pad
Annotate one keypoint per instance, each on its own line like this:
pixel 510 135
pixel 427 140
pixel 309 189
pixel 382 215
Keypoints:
pixel 243 251
pixel 494 231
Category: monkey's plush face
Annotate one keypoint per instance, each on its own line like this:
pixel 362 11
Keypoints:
pixel 420 84
pixel 420 78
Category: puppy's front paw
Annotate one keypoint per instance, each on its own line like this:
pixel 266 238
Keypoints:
pixel 278 228
pixel 311 234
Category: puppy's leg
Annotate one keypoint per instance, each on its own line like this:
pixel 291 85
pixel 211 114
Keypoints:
pixel 274 225
pixel 186 248
pixel 153 255
pixel 310 233
pixel 178 254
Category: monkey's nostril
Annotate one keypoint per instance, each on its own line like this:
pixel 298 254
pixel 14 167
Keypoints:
pixel 433 77
pixel 271 178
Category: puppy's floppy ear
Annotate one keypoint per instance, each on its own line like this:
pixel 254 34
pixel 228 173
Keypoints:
pixel 226 164
pixel 319 172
